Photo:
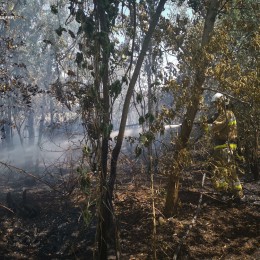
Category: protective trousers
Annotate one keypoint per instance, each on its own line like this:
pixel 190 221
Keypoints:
pixel 224 168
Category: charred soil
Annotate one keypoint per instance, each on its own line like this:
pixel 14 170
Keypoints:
pixel 206 229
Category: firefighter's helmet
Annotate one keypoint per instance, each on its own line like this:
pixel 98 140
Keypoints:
pixel 219 97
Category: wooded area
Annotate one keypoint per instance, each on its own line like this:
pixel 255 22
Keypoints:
pixel 103 104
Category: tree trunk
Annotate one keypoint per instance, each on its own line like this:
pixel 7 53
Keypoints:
pixel 150 106
pixel 255 163
pixel 7 127
pixel 197 90
pixel 106 209
pixel 31 127
pixel 145 45
pixel 40 134
pixel 105 221
pixel 117 148
pixel 172 194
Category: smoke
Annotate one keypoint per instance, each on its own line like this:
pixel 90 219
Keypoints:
pixel 132 137
pixel 59 152
pixel 55 156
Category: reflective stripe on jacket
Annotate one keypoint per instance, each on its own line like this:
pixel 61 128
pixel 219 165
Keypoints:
pixel 223 146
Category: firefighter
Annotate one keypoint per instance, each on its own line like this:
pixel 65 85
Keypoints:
pixel 223 130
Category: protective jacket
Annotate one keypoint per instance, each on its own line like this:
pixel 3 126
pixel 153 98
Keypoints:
pixel 224 128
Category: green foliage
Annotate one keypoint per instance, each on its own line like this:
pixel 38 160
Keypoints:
pixel 141 120
pixel 80 16
pixel 138 151
pixel 71 33
pixel 87 215
pixel 150 117
pixel 60 30
pixel 88 27
pixel 106 129
pixel 196 5
pixel 84 180
pixel 139 98
pixel 86 151
pixel 79 58
pixel 103 39
pixel 115 89
pixel 54 9
pixel 146 138
pixel 85 185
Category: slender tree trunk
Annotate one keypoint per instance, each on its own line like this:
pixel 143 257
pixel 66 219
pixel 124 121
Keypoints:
pixel 150 70
pixel 145 45
pixel 106 209
pixel 40 134
pixel 255 163
pixel 7 126
pixel 31 127
pixel 174 178
pixel 150 105
pixel 105 222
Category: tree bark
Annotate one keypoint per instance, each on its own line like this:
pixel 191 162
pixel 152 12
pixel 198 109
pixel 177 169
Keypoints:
pixel 255 164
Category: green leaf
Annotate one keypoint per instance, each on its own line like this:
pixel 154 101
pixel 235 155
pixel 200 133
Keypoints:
pixel 141 120
pixel 86 151
pixel 138 151
pixel 115 88
pixel 149 117
pixel 60 30
pixel 54 9
pixel 79 57
pixel 80 16
pixel 87 216
pixel 139 98
pixel 88 27
pixel 71 33
pixel 143 139
pixel 146 138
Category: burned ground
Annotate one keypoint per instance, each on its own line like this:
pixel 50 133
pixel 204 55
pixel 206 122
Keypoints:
pixel 219 230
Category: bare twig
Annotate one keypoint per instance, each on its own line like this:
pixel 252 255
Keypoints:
pixel 21 171
pixel 154 214
pixel 3 206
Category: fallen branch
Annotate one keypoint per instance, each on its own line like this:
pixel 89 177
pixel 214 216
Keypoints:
pixel 4 207
pixel 21 171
